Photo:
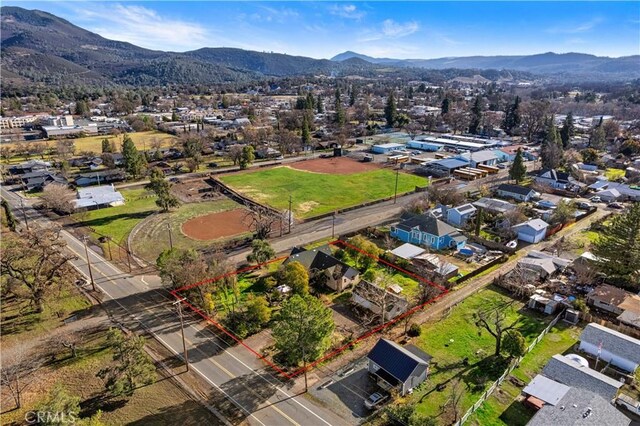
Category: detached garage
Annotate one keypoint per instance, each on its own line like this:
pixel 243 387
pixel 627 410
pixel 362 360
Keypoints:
pixel 619 349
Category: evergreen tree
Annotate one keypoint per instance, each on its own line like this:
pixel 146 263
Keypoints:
pixel 64 407
pixel 518 170
pixel 261 251
pixel 162 189
pixel 319 105
pixel 390 110
pixel 247 156
pixel 618 247
pixel 82 108
pixel 340 118
pixel 567 131
pixel 410 94
pixel 306 132
pixel 551 149
pixel 353 96
pixel 446 105
pixel 294 275
pixel 598 138
pixel 476 116
pixel 106 145
pixel 134 162
pixel 310 102
pixel 512 118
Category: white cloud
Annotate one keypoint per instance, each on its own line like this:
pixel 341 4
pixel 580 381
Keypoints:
pixel 349 11
pixel 390 29
pixel 145 27
pixel 575 28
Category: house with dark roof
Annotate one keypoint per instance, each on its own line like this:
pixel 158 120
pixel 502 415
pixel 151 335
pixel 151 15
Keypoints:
pixel 557 180
pixel 579 406
pixel 320 261
pixel 428 231
pixel 611 346
pixel 516 192
pixel 569 372
pixel 398 367
pixel 37 180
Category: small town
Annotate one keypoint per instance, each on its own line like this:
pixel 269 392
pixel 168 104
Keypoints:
pixel 235 236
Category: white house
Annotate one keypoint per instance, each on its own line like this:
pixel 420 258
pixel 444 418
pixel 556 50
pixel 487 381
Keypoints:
pixel 98 197
pixel 611 346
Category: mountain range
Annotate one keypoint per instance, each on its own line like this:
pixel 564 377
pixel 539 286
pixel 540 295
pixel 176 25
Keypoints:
pixel 38 47
pixel 570 64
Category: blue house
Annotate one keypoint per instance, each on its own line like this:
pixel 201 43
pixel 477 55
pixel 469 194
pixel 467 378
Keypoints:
pixel 532 231
pixel 459 215
pixel 428 231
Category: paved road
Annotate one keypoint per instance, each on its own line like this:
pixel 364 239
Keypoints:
pixel 232 371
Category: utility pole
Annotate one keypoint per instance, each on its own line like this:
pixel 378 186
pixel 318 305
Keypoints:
pixel 184 342
pixel 24 213
pixel 109 246
pixel 170 236
pixel 290 213
pixel 86 252
pixel 333 225
pixel 395 193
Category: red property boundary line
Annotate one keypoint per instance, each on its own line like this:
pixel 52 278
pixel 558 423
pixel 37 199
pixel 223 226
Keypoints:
pixel 333 353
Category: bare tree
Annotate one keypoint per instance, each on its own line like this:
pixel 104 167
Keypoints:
pixel 18 371
pixel 235 153
pixel 261 221
pixel 58 197
pixel 493 321
pixel 533 116
pixel 456 392
pixel 585 274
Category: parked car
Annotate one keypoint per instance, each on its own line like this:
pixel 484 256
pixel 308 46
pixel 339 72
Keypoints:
pixel 545 204
pixel 625 401
pixel 615 205
pixel 375 399
pixel 596 199
pixel 512 244
pixel 213 165
pixel 501 166
pixel 583 206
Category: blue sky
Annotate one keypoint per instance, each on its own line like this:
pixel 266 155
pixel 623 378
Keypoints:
pixel 391 29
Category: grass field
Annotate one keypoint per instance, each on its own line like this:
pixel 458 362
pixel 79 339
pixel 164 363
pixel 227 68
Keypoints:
pixel 502 408
pixel 317 193
pixel 455 338
pixel 94 143
pixel 152 237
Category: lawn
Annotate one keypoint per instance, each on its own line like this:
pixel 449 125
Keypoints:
pixel 93 144
pixel 455 338
pixel 614 174
pixel 313 194
pixel 152 237
pixel 117 222
pixel 502 408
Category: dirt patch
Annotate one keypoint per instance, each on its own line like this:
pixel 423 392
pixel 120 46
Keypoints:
pixel 335 165
pixel 308 206
pixel 194 191
pixel 216 225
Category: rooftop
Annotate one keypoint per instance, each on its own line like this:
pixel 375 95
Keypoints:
pixel 613 341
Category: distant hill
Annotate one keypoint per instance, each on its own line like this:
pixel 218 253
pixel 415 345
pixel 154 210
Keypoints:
pixel 565 64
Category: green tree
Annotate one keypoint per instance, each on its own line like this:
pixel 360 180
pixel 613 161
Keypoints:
pixel 257 311
pixel 446 106
pixel 133 367
pixel 106 145
pixel 247 157
pixel 158 184
pixel 476 116
pixel 618 247
pixel 340 118
pixel 295 275
pixel 8 215
pixel 513 343
pixel 63 407
pixel 363 251
pixel 319 105
pixel 261 251
pixel 590 156
pixel 512 117
pixel 306 132
pixel 564 212
pixel 390 110
pixel 82 108
pixel 551 149
pixel 134 162
pixel 567 131
pixel 303 330
pixel 518 170
pixel 402 120
pixel 598 139
pixel 353 96
pixel 493 321
pixel 193 146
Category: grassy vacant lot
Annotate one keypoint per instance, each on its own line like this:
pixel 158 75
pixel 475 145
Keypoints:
pixel 502 408
pixel 317 193
pixel 152 237
pixel 117 222
pixel 455 338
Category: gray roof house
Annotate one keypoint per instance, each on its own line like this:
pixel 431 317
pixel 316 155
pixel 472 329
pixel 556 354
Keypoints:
pixel 571 373
pixel 579 406
pixel 617 348
pixel 398 367
pixel 97 197
pixel 531 231
pixel 517 192
pixel 494 205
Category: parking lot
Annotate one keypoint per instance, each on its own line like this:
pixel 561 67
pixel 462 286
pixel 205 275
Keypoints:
pixel 347 392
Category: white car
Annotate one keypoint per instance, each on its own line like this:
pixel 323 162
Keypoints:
pixel 596 199
pixel 374 400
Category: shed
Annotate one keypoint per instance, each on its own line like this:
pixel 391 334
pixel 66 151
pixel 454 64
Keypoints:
pixel 398 367
pixel 407 251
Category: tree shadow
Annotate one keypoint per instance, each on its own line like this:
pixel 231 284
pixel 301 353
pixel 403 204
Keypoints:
pixel 252 390
pixel 517 414
pixel 186 413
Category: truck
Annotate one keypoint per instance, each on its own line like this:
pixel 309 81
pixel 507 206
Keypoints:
pixel 625 401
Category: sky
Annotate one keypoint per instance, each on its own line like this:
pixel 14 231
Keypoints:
pixel 417 29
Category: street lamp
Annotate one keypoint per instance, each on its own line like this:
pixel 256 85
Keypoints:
pixel 184 342
pixel 86 251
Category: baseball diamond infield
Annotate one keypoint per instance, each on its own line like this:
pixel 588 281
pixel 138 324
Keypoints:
pixel 216 225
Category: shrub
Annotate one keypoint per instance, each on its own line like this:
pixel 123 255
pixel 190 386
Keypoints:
pixel 414 330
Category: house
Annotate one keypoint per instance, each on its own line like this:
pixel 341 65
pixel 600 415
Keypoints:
pixel 607 298
pixel 397 367
pixel 577 406
pixel 485 157
pixel 458 216
pixel 98 197
pixel 542 264
pixel 557 180
pixel 407 251
pixel 96 178
pixel 532 231
pixel 571 371
pixel 425 146
pixel 29 166
pixel 429 231
pixel 609 195
pixel 320 260
pixel 544 302
pixel 445 167
pixel 626 192
pixel 434 263
pixel 493 205
pixel 517 192
pixel 38 179
pixel 376 299
pixel 611 346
